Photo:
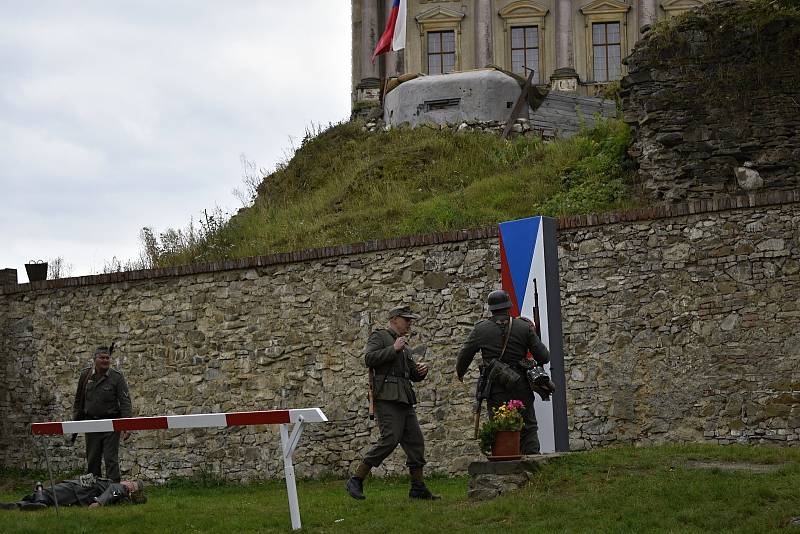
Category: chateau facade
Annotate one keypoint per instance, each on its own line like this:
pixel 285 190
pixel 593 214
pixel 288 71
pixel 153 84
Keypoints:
pixel 572 45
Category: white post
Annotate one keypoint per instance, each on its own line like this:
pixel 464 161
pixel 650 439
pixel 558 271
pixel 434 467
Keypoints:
pixel 287 449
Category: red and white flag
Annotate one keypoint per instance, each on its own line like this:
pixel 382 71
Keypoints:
pixel 394 36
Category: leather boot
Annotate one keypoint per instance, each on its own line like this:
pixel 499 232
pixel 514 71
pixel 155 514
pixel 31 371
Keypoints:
pixel 418 488
pixel 355 484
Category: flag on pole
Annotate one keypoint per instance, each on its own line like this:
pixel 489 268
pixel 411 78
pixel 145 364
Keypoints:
pixel 394 36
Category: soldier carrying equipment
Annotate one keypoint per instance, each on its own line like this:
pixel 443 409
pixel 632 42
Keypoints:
pixel 504 343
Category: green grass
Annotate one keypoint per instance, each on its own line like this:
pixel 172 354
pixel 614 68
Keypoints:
pixel 345 185
pixel 622 489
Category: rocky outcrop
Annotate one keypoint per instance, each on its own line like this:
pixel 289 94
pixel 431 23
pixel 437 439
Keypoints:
pixel 713 97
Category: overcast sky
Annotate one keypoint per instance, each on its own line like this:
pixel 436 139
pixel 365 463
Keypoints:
pixel 120 114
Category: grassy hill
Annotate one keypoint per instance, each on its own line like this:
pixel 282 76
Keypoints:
pixel 345 185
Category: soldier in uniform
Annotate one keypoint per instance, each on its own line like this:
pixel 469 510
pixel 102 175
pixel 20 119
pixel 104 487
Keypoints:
pixel 387 354
pixel 83 491
pixel 102 394
pixel 489 336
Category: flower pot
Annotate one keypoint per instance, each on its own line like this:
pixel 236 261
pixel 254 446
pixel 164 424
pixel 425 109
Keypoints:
pixel 506 446
pixel 36 271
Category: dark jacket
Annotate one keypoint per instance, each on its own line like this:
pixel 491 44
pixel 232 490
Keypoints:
pixel 104 397
pixel 488 337
pixel 394 371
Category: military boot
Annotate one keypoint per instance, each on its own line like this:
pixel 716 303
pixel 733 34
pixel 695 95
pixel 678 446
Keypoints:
pixel 418 488
pixel 355 487
pixel 355 484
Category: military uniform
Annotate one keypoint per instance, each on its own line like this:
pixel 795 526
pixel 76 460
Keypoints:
pixel 104 396
pixel 488 337
pixel 391 373
pixel 394 400
pixel 75 493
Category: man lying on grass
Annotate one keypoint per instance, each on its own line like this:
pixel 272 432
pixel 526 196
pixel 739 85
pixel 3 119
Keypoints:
pixel 83 491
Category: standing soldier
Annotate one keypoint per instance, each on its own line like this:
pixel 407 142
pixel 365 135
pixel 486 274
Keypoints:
pixel 506 340
pixel 102 394
pixel 387 355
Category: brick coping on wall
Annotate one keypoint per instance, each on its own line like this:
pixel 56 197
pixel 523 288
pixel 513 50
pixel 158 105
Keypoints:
pixel 563 223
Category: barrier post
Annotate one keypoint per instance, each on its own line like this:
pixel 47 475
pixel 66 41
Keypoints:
pixel 50 473
pixel 298 417
pixel 288 443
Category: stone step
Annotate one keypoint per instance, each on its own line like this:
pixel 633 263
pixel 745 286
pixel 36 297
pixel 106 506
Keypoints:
pixel 489 480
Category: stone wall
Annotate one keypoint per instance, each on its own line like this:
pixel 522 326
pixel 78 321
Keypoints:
pixel 680 324
pixel 684 329
pixel 714 100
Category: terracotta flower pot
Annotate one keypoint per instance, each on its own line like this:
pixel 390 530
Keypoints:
pixel 506 446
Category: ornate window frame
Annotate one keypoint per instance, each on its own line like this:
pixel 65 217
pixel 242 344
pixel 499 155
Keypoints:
pixel 439 19
pixel 604 11
pixel 676 7
pixel 524 13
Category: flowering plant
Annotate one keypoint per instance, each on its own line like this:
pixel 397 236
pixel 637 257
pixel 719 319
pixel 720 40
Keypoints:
pixel 505 417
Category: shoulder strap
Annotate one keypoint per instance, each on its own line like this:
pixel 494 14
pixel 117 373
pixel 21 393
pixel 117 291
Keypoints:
pixel 508 335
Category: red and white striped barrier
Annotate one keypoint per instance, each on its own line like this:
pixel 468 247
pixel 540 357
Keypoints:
pixel 203 420
pixel 208 420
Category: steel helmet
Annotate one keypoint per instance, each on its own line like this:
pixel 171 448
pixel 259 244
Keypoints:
pixel 498 300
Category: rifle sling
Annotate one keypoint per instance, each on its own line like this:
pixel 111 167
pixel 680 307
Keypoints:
pixel 82 389
pixel 508 335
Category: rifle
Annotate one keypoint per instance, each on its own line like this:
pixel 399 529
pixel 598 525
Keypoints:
pixel 82 395
pixel 482 388
pixel 537 328
pixel 371 394
pixel 420 350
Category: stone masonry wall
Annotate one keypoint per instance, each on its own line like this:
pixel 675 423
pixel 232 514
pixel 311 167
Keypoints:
pixel 713 97
pixel 681 323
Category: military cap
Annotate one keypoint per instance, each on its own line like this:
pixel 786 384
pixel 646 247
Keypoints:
pixel 101 350
pixel 403 311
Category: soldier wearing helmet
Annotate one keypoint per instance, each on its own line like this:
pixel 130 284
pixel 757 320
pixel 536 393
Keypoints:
pixel 508 340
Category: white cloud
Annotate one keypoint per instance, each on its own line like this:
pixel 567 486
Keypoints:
pixel 122 114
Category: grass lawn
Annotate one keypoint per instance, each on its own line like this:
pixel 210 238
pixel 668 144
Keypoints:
pixel 692 488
